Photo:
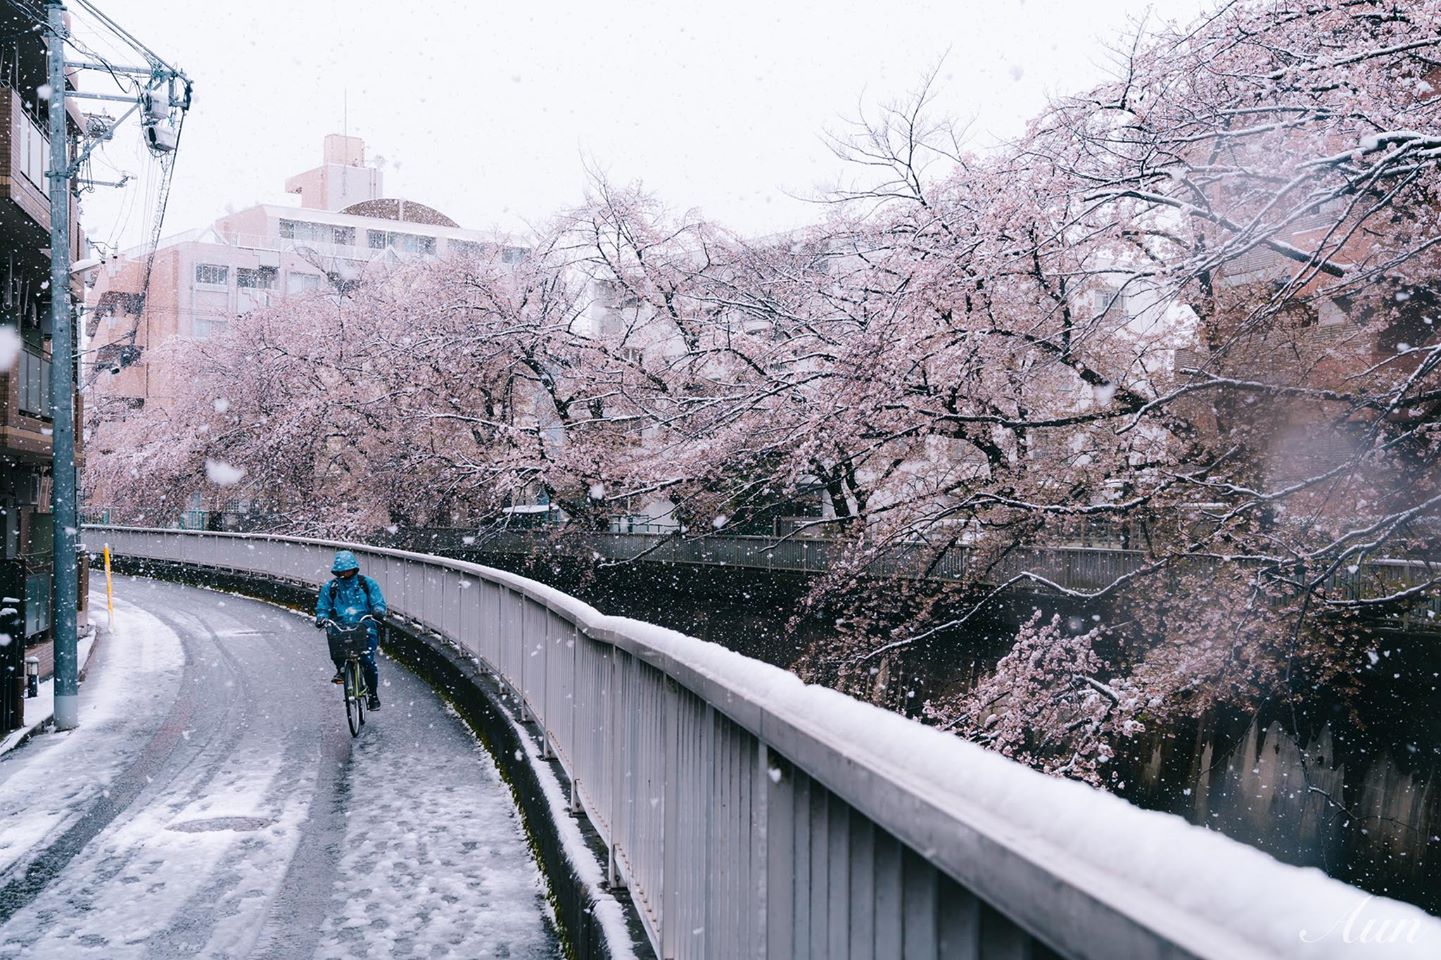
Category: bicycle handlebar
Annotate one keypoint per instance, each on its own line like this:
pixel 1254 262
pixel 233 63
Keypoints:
pixel 331 623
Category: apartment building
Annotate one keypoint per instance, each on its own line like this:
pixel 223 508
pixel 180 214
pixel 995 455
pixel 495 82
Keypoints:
pixel 197 282
pixel 26 556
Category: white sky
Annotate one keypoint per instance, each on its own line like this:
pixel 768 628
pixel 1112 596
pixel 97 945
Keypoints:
pixel 490 112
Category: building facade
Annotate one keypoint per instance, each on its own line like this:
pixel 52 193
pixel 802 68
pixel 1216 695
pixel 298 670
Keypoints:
pixel 196 283
pixel 26 556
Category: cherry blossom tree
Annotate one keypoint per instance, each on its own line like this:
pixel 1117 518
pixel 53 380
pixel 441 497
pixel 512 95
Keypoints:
pixel 1192 310
pixel 1048 704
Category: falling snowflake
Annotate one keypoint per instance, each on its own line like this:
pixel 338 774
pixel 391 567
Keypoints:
pixel 10 347
pixel 222 474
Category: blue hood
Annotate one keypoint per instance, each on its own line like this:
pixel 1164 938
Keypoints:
pixel 344 560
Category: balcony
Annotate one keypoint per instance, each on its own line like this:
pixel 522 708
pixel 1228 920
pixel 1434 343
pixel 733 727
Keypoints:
pixel 24 161
pixel 24 186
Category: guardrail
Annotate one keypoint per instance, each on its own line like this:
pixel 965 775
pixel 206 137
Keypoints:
pixel 1075 568
pixel 753 816
pixel 1080 569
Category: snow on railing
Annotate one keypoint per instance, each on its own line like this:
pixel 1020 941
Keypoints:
pixel 752 815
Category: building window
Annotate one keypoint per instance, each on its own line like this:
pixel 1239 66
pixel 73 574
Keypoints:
pixel 306 232
pixel 406 242
pixel 34 375
pixel 470 248
pixel 512 254
pixel 302 282
pixel 1110 302
pixel 203 328
pixel 212 274
pixel 260 278
pixel 32 150
pixel 37 603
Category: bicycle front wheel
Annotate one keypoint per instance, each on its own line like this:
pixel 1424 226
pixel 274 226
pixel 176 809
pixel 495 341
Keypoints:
pixel 354 697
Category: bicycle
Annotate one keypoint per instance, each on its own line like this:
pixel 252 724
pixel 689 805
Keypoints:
pixel 349 642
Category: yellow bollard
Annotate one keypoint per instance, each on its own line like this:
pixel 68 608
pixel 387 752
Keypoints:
pixel 109 589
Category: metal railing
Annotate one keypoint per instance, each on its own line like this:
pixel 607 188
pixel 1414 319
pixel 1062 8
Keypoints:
pixel 752 816
pixel 1081 569
pixel 277 243
pixel 361 249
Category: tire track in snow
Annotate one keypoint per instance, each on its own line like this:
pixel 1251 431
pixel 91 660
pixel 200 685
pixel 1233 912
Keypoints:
pixel 19 892
pixel 193 923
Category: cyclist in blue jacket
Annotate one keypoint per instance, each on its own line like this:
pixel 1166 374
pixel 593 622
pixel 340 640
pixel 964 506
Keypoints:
pixel 347 598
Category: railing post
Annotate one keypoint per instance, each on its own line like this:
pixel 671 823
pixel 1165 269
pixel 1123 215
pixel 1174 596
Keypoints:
pixel 780 864
pixel 670 831
pixel 542 686
pixel 612 869
pixel 760 853
pixel 614 707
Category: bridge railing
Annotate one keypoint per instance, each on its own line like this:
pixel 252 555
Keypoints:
pixel 1080 569
pixel 751 815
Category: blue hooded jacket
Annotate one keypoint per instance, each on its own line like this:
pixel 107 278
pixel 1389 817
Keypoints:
pixel 350 595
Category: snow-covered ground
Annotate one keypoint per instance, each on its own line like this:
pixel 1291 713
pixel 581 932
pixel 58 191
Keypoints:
pixel 212 804
pixel 56 777
pixel 40 709
pixel 432 837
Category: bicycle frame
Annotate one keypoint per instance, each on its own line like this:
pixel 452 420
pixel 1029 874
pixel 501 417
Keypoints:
pixel 353 690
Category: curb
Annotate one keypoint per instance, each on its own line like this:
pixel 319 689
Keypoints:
pixel 21 735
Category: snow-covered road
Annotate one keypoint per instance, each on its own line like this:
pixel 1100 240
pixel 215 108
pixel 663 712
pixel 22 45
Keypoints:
pixel 213 805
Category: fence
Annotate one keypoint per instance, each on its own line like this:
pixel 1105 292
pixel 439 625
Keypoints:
pixel 1079 569
pixel 752 816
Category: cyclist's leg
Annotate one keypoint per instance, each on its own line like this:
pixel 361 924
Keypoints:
pixel 372 672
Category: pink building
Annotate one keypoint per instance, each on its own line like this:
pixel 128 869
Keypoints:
pixel 197 282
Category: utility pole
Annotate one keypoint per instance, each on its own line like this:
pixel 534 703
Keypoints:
pixel 65 584
pixel 164 89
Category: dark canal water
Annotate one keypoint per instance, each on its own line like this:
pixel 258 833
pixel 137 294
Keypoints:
pixel 1348 786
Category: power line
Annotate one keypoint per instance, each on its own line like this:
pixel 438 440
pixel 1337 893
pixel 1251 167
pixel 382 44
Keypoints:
pixel 161 144
pixel 154 58
pixel 167 167
pixel 38 15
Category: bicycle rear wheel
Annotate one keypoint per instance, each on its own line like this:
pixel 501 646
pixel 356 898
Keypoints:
pixel 354 696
